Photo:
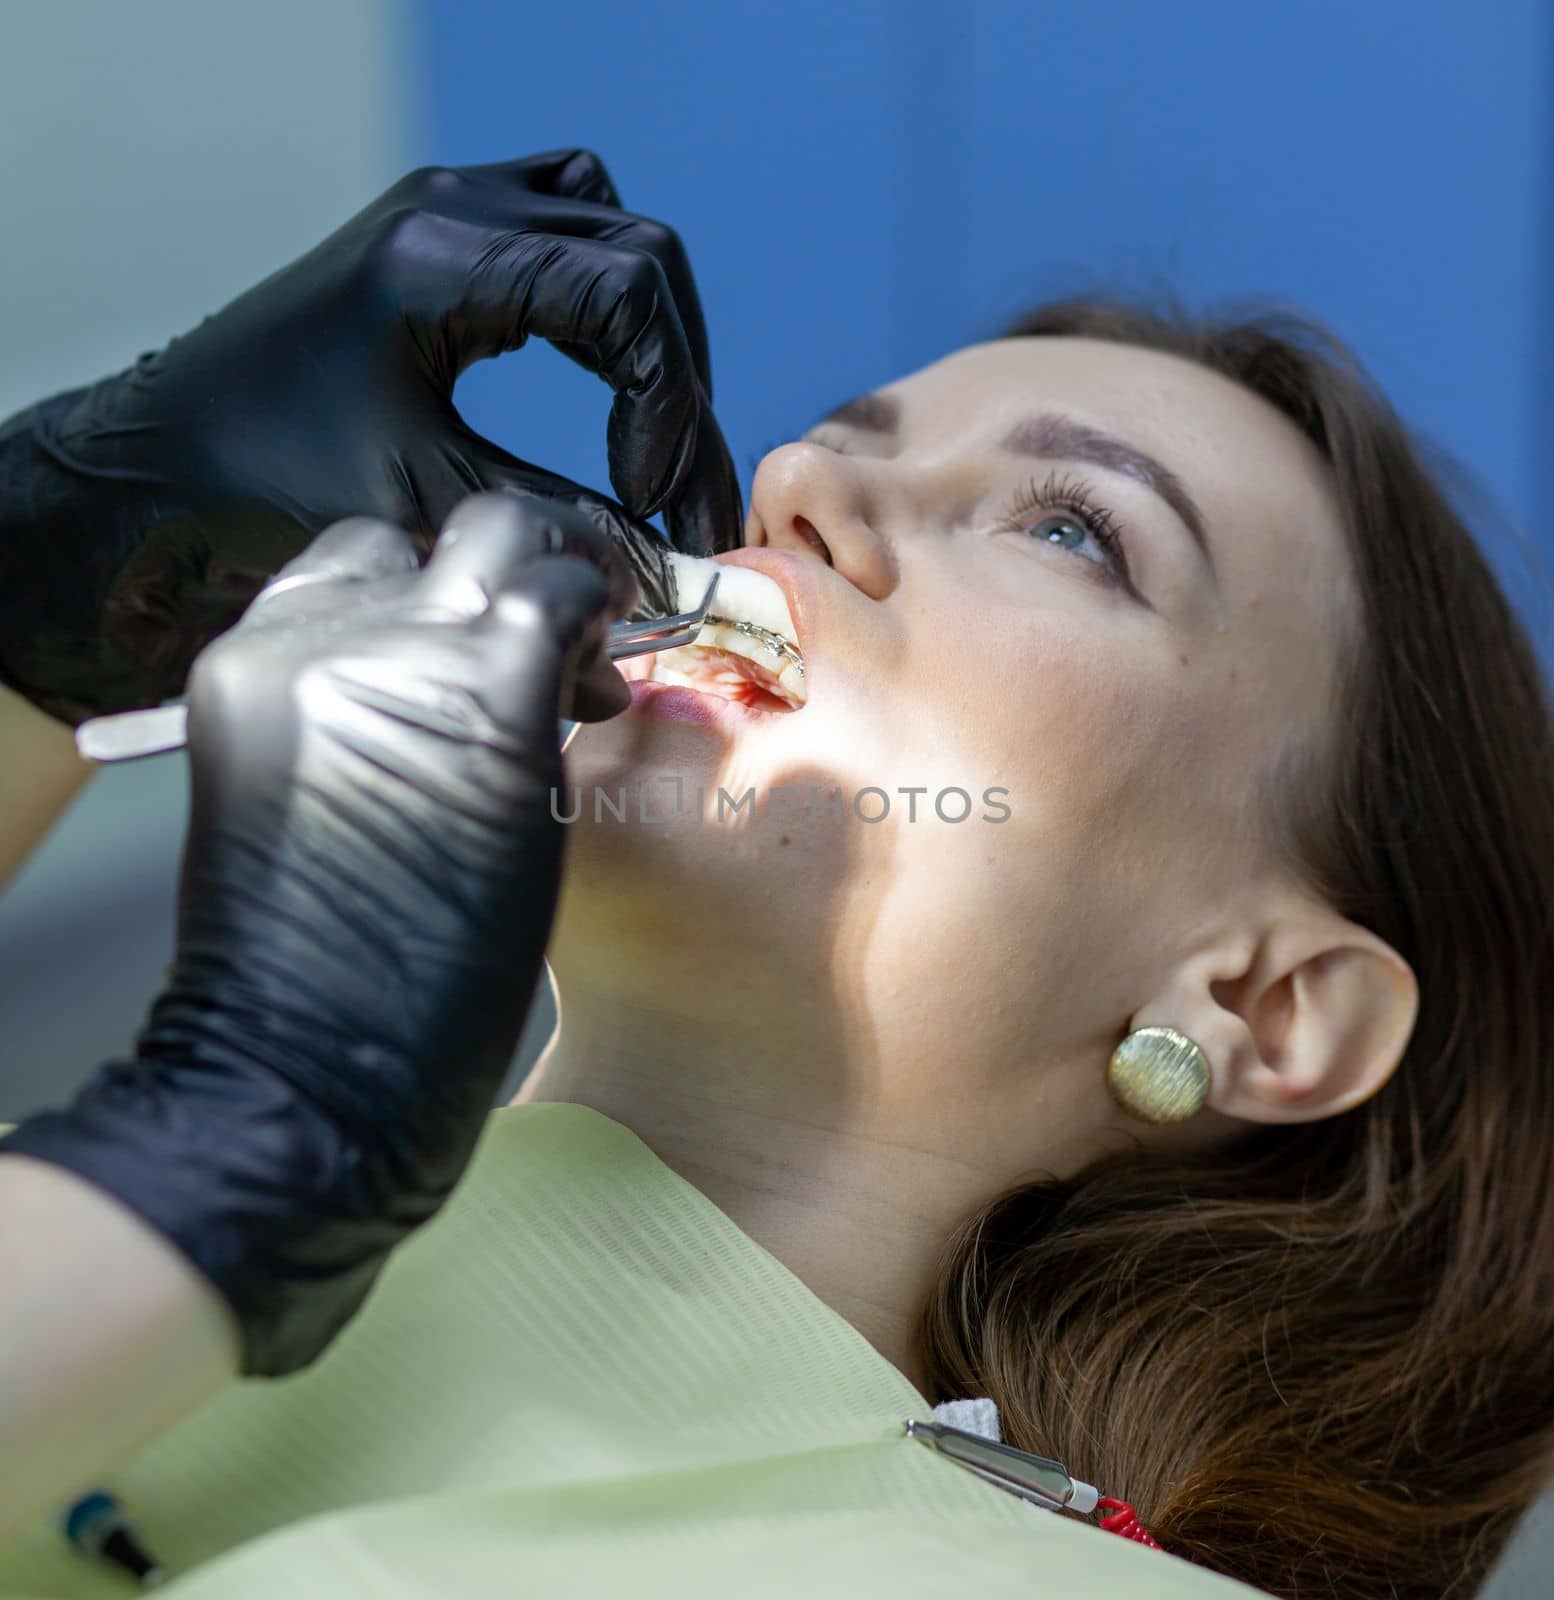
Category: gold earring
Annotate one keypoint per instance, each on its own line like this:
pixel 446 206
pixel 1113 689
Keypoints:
pixel 1158 1075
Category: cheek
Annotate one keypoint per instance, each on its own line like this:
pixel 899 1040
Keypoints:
pixel 1070 716
pixel 1097 748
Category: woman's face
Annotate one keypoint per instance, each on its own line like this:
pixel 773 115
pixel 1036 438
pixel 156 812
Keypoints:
pixel 1064 602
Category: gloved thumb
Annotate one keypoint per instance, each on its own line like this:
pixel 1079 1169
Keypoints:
pixel 642 550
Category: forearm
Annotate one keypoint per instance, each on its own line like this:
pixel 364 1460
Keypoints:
pixel 108 1336
pixel 40 774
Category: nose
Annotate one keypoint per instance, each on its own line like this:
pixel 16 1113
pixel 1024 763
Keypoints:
pixel 811 499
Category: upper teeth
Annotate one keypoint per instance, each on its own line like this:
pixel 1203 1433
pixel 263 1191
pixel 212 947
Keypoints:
pixel 752 621
pixel 749 640
pixel 774 642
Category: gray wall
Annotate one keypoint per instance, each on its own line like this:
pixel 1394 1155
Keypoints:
pixel 155 160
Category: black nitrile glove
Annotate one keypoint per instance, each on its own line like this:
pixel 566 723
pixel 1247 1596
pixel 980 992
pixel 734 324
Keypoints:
pixel 368 884
pixel 140 515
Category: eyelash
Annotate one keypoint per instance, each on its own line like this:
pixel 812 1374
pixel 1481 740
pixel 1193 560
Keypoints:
pixel 1064 492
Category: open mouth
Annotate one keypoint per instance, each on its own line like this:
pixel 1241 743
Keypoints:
pixel 733 660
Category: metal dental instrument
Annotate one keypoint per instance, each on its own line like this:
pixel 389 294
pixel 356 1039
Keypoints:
pixel 128 735
pixel 1038 1479
pixel 642 638
pixel 1034 1478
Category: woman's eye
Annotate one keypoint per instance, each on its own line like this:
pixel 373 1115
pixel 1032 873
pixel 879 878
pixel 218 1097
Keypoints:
pixel 1063 512
pixel 1069 534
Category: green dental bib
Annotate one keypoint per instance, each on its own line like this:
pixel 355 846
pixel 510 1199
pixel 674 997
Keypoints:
pixel 583 1380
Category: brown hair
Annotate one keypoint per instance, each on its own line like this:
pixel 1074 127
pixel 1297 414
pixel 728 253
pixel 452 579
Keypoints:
pixel 1323 1362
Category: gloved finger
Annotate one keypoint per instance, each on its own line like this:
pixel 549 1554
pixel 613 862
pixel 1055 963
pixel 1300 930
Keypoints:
pixel 606 298
pixel 452 463
pixel 540 635
pixel 707 515
pixel 579 174
pixel 356 550
pixel 491 539
pixel 592 687
pixel 640 566
pixel 584 220
pixel 599 692
pixel 569 192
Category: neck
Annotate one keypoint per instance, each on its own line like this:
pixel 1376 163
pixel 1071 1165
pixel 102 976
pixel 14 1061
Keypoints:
pixel 775 1127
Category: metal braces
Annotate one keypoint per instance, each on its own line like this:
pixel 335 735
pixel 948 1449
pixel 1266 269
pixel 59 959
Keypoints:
pixel 774 642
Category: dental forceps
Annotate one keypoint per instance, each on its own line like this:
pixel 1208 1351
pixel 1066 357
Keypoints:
pixel 128 735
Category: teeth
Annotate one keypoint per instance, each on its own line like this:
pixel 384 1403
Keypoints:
pixel 752 622
pixel 792 684
pixel 772 643
pixel 782 667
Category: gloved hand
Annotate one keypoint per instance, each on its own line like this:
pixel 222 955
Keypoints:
pixel 139 516
pixel 368 884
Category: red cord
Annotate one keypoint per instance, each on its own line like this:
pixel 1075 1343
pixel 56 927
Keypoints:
pixel 1125 1520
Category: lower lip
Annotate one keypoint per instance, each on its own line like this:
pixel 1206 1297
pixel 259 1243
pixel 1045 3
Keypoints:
pixel 674 700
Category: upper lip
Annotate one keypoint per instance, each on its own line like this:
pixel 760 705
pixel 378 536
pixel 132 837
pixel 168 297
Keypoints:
pixel 794 575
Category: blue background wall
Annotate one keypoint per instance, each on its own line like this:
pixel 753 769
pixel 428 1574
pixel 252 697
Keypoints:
pixel 863 186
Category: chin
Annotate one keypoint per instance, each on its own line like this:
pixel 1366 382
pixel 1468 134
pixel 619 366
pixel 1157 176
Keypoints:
pixel 640 833
pixel 655 858
pixel 687 769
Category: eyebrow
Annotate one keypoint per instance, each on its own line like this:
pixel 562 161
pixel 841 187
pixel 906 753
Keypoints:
pixel 1066 440
pixel 874 413
pixel 1059 438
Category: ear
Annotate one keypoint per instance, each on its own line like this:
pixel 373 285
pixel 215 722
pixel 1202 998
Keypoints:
pixel 1302 1017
